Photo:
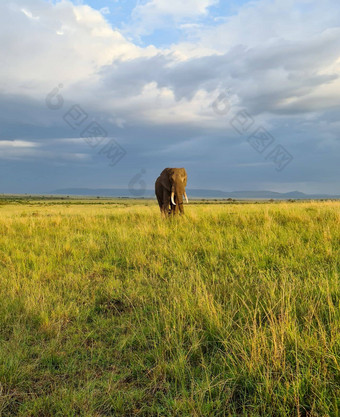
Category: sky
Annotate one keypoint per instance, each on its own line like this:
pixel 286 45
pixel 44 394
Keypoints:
pixel 106 94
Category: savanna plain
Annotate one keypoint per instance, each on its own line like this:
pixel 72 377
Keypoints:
pixel 108 310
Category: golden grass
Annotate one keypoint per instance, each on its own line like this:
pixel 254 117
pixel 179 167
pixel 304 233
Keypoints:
pixel 106 309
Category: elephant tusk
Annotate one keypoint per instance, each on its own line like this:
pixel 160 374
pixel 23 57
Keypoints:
pixel 186 197
pixel 172 198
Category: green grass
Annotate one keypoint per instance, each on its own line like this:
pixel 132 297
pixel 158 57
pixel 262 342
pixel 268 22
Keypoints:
pixel 108 310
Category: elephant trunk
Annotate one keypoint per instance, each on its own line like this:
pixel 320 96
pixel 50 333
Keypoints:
pixel 179 196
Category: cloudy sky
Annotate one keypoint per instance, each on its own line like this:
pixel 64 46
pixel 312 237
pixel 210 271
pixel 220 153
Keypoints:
pixel 244 94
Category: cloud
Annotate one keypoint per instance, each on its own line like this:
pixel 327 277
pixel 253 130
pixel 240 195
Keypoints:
pixel 16 144
pixel 284 78
pixel 105 10
pixel 154 14
pixel 44 44
pixel 103 71
pixel 176 8
pixel 263 22
pixel 38 150
pixel 280 61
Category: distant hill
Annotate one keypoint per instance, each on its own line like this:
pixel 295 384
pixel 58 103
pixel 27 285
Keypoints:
pixel 196 193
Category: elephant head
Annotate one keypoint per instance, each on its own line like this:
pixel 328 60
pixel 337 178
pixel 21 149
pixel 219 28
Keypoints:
pixel 174 180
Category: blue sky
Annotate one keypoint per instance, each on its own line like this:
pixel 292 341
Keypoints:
pixel 120 14
pixel 244 95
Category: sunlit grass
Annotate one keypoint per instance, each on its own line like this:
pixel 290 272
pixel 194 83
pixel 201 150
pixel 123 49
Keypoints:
pixel 106 309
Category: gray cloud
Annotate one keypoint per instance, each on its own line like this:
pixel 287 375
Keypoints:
pixel 158 106
pixel 261 77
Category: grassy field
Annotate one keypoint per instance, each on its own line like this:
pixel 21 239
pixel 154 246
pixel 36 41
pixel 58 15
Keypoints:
pixel 108 310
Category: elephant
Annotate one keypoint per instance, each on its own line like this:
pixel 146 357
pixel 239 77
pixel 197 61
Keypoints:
pixel 169 190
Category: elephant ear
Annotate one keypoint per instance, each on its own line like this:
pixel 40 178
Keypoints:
pixel 165 179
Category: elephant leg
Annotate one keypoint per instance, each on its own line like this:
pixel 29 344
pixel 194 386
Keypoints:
pixel 166 202
pixel 159 194
pixel 160 201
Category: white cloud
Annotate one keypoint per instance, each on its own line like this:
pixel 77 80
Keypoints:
pixel 43 44
pixel 156 14
pixel 105 10
pixel 21 149
pixel 17 144
pixel 176 8
pixel 29 14
pixel 266 68
pixel 264 21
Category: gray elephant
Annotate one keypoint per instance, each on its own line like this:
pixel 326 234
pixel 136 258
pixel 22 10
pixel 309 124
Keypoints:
pixel 170 189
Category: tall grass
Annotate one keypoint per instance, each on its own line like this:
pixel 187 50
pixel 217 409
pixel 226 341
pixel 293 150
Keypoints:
pixel 108 310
